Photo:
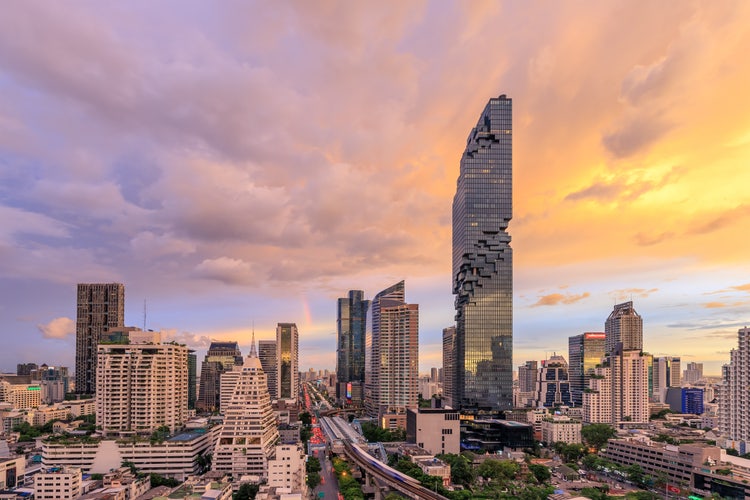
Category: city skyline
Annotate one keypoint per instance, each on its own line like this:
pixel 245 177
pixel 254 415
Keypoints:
pixel 252 164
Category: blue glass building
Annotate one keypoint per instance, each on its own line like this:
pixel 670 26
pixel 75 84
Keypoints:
pixel 351 320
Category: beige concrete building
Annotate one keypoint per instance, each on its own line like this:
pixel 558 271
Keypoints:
pixel 11 471
pixel 58 483
pixel 677 462
pixel 287 469
pixel 597 398
pixel 174 457
pixel 437 430
pixel 249 434
pixel 20 395
pixel 561 428
pixel 141 384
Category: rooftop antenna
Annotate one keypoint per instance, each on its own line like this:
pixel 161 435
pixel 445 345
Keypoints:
pixel 253 352
pixel 144 315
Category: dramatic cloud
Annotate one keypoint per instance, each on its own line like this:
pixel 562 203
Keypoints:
pixel 58 328
pixel 255 152
pixel 554 299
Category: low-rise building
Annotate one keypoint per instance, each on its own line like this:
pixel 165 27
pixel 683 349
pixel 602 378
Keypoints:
pixel 200 489
pixel 492 435
pixel 677 462
pixel 80 407
pixel 287 469
pixel 174 457
pixel 12 471
pixel 58 483
pixel 435 467
pixel 561 428
pixel 44 414
pixel 21 396
pixel 437 430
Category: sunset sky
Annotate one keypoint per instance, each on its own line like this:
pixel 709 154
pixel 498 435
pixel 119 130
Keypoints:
pixel 243 162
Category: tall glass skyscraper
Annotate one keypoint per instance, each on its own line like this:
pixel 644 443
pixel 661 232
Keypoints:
pixel 585 351
pixel 351 320
pixel 287 357
pixel 483 264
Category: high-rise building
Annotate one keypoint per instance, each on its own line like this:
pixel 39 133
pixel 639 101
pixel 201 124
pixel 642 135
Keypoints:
pixel 625 398
pixel 597 400
pixel 287 356
pixel 249 434
pixel 220 358
pixel 54 381
pixel 527 376
pixel 624 325
pixel 734 400
pixel 629 387
pixel 449 345
pixel 483 264
pixel 666 374
pixel 26 368
pixel 100 306
pixel 267 356
pixel 693 373
pixel 351 319
pixel 192 379
pixel 141 384
pixel 395 294
pixel 585 351
pixel 395 342
pixel 553 386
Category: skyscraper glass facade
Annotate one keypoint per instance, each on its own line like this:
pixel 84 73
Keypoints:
pixel 585 351
pixel 287 356
pixel 350 353
pixel 483 265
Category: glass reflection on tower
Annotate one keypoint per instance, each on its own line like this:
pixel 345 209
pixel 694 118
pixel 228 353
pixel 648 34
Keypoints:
pixel 483 266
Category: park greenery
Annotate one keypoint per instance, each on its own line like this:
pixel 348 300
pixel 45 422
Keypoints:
pixel 597 435
pixel 313 472
pixel 376 434
pixel 349 487
pixel 497 479
pixel 246 491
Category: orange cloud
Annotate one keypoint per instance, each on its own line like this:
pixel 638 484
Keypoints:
pixel 554 299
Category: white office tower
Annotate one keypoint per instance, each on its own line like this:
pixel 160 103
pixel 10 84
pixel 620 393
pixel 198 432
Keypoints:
pixel 734 396
pixel 141 384
pixel 666 374
pixel 597 399
pixel 250 433
pixel 629 387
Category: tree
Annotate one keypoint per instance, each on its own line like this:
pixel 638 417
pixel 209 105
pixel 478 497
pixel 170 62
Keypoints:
pixel 203 462
pixel 461 471
pixel 597 435
pixel 313 469
pixel 541 472
pixel 499 470
pixel 637 475
pixel 157 480
pixel 313 480
pixel 305 418
pixel 247 491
